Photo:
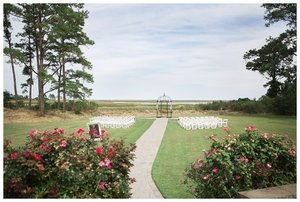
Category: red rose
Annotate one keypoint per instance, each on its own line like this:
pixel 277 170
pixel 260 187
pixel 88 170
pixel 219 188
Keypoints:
pixel 37 157
pixel 99 150
pixel 110 148
pixel 27 153
pixel 14 155
pixel 226 129
pixel 80 130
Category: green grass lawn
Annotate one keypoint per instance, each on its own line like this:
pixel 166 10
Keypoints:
pixel 131 134
pixel 180 147
pixel 18 132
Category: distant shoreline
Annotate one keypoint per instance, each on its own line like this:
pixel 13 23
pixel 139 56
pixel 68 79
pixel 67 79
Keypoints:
pixel 151 102
pixel 154 102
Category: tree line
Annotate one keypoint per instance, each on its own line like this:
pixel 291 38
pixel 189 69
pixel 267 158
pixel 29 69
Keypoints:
pixel 48 48
pixel 276 60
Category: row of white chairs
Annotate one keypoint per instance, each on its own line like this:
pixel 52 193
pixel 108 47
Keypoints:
pixel 113 121
pixel 204 122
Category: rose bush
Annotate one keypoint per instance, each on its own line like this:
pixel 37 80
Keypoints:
pixel 243 162
pixel 56 165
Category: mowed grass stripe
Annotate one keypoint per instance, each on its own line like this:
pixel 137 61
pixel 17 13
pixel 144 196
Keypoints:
pixel 133 133
pixel 17 133
pixel 180 147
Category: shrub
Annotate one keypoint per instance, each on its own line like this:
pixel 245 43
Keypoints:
pixel 56 165
pixel 243 162
pixel 81 105
pixel 284 104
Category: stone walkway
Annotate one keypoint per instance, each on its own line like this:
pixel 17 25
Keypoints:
pixel 147 148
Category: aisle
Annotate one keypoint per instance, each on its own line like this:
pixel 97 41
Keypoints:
pixel 147 148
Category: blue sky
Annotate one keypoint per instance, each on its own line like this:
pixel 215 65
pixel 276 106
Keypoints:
pixel 188 51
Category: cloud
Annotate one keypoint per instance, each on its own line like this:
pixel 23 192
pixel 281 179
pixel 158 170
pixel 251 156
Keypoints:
pixel 188 51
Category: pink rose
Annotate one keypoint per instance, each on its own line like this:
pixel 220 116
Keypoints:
pixel 107 161
pixel 237 177
pixel 292 152
pixel 250 128
pixel 102 185
pixel 215 170
pixel 206 177
pixel 244 159
pixel 63 143
pixel 101 164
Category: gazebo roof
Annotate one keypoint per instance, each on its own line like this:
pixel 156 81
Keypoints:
pixel 164 98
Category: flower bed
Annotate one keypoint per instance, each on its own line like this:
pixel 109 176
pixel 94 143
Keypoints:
pixel 56 165
pixel 243 162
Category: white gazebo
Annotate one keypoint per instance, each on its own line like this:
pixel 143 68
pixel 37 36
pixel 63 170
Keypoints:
pixel 164 106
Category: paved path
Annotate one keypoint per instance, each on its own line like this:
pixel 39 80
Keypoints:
pixel 147 148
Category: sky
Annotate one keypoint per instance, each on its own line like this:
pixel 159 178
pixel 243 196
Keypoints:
pixel 187 51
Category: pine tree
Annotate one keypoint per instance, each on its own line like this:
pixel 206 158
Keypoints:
pixel 67 37
pixel 10 51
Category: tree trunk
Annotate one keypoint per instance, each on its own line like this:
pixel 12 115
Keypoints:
pixel 58 89
pixel 40 67
pixel 41 98
pixel 64 86
pixel 30 90
pixel 7 35
pixel 14 73
pixel 30 69
pixel 40 72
